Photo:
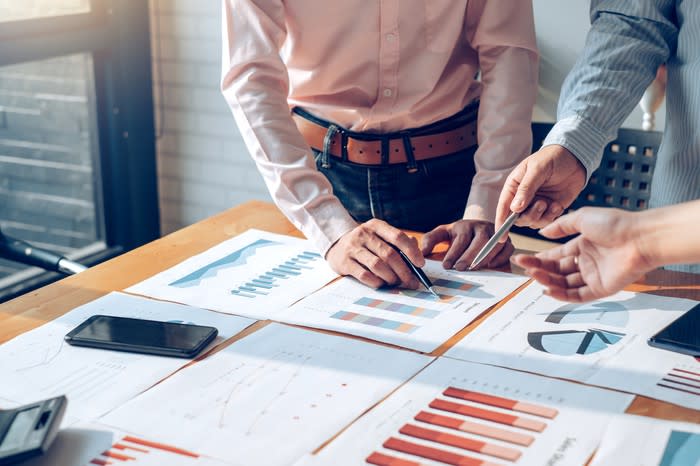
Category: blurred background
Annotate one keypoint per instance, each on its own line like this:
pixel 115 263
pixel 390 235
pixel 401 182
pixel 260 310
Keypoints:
pixel 113 131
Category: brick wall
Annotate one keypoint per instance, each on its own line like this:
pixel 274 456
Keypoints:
pixel 203 165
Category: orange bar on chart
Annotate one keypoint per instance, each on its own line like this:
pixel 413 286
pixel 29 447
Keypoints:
pixel 474 428
pixel 380 459
pixel 117 456
pixel 479 413
pixel 436 454
pixel 160 446
pixel 500 402
pixel 461 442
pixel 99 462
pixel 121 446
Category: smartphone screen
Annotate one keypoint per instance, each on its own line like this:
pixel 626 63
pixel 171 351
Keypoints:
pixel 681 335
pixel 142 336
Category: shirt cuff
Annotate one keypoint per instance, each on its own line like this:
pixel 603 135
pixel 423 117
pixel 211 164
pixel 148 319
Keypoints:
pixel 482 203
pixel 327 224
pixel 582 139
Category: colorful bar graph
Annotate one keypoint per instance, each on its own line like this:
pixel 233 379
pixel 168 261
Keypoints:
pixel 426 295
pixel 494 416
pixel 469 427
pixel 381 459
pixel 434 453
pixel 375 321
pixel 452 284
pixel 141 449
pixel 398 307
pixel 500 402
pixel 461 442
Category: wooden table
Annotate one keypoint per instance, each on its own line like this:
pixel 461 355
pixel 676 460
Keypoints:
pixel 47 303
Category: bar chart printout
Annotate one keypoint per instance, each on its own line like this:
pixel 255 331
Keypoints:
pixel 271 396
pixel 414 319
pixel 93 444
pixel 644 441
pixel 253 274
pixel 460 413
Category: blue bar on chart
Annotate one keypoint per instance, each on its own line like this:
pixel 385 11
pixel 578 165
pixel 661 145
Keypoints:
pixel 264 283
pixel 397 307
pixel 375 321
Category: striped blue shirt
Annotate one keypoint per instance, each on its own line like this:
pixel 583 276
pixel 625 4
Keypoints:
pixel 628 41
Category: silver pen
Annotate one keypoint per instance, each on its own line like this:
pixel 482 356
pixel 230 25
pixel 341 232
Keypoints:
pixel 491 243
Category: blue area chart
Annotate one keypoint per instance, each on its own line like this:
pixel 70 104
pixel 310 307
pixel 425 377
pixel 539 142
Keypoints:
pixel 605 313
pixel 572 342
pixel 233 260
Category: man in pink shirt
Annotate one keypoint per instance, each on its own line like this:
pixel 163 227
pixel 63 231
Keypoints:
pixel 364 117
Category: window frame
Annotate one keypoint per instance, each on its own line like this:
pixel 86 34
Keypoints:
pixel 117 35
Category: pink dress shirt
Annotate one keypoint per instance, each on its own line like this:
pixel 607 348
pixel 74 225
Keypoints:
pixel 377 66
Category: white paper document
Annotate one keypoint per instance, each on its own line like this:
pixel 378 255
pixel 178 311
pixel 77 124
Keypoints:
pixel 643 441
pixel 461 413
pixel 40 364
pixel 270 397
pixel 601 343
pixel 90 444
pixel 410 318
pixel 255 274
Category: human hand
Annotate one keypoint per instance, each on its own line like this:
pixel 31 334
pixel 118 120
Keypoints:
pixel 605 258
pixel 365 253
pixel 466 238
pixel 541 187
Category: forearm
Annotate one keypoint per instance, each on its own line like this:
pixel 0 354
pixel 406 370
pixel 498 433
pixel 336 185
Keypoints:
pixel 255 85
pixel 669 235
pixel 624 48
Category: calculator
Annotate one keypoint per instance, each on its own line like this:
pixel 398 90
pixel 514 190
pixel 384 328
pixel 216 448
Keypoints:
pixel 29 430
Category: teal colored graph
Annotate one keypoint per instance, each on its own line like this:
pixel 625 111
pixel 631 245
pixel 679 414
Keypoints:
pixel 233 260
pixel 570 342
pixel 263 284
pixel 605 313
pixel 682 449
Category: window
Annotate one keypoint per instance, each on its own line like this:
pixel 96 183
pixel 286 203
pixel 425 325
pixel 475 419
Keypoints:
pixel 77 143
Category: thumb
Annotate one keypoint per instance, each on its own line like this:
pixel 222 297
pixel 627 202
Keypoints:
pixel 433 237
pixel 533 179
pixel 567 225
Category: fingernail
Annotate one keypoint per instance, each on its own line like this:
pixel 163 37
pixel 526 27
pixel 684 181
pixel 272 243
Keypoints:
pixel 447 265
pixel 517 203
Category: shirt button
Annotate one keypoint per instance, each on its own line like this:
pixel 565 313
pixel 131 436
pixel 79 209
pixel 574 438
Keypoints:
pixel 387 92
pixel 390 37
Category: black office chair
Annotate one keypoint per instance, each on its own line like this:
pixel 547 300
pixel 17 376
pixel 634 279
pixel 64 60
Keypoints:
pixel 623 178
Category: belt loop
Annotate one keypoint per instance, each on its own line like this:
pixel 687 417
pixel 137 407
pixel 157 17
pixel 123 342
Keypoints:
pixel 412 167
pixel 327 140
pixel 385 150
pixel 343 146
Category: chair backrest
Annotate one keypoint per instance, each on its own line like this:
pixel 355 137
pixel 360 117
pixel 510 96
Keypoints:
pixel 623 178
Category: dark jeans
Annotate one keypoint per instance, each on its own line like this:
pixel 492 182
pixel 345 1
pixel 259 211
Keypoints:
pixel 434 195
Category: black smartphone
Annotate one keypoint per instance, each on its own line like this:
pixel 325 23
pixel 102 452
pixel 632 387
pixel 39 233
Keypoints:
pixel 142 336
pixel 682 335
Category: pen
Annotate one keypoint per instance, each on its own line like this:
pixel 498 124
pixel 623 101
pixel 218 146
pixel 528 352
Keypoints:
pixel 417 271
pixel 491 243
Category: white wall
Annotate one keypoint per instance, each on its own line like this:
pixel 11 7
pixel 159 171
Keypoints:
pixel 203 165
pixel 561 33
